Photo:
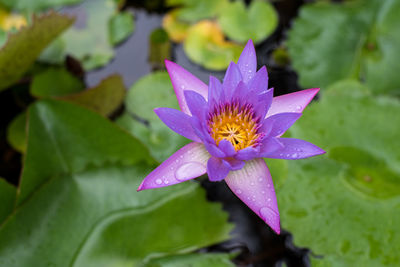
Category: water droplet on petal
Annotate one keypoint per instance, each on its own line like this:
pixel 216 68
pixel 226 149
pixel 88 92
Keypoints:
pixel 263 192
pixel 238 191
pixel 251 183
pixel 177 160
pixel 166 182
pixel 298 108
pixel 182 86
pixel 294 155
pixel 260 179
pixel 270 216
pixel 158 181
pixel 268 185
pixel 189 170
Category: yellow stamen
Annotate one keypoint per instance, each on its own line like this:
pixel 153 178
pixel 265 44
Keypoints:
pixel 237 125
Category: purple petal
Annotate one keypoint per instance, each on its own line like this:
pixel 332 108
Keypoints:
pixel 247 153
pixel 253 185
pixel 177 121
pixel 294 102
pixel 227 148
pixel 214 150
pixel 241 91
pixel 215 92
pixel 270 145
pixel 217 169
pixel 197 104
pixel 234 164
pixel 264 103
pixel 281 122
pixel 183 80
pixel 259 83
pixel 294 149
pixel 231 80
pixel 187 163
pixel 248 62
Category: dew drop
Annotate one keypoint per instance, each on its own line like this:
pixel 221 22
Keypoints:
pixel 181 156
pixel 268 199
pixel 166 182
pixel 263 192
pixel 298 108
pixel 182 86
pixel 177 160
pixel 158 181
pixel 189 170
pixel 260 179
pixel 252 183
pixel 294 156
pixel 238 191
pixel 268 185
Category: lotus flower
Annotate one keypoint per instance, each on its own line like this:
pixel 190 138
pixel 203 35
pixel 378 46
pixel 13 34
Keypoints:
pixel 233 126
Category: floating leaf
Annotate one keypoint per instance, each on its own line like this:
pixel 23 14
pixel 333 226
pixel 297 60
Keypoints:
pixel 36 5
pixel 256 22
pixel 152 91
pixel 66 138
pixel 16 133
pixel 54 82
pixel 356 39
pixel 105 98
pixel 121 26
pixel 193 260
pixel 10 20
pixel 194 10
pixel 343 205
pixel 23 47
pixel 7 199
pixel 176 29
pixel 205 45
pixel 160 48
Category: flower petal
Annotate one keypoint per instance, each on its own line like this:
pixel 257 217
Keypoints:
pixel 217 169
pixel 187 163
pixel 270 145
pixel 294 102
pixel 259 83
pixel 234 164
pixel 215 92
pixel 253 185
pixel 214 150
pixel 294 149
pixel 196 104
pixel 247 153
pixel 183 80
pixel 281 122
pixel 177 121
pixel 247 62
pixel 231 80
pixel 227 148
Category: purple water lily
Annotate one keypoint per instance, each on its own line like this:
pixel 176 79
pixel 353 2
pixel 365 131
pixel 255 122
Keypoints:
pixel 233 126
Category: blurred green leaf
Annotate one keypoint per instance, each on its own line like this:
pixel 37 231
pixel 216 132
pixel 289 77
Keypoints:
pixel 152 91
pixel 121 26
pixel 53 82
pixel 205 44
pixel 65 138
pixel 255 22
pixel 356 39
pixel 343 205
pixel 7 199
pixel 194 10
pixel 16 132
pixel 160 48
pixel 105 98
pixel 23 47
pixel 36 5
pixel 176 29
pixel 193 260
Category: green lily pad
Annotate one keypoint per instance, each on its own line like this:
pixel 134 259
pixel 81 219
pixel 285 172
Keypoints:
pixel 16 132
pixel 193 260
pixel 356 39
pixel 160 48
pixel 343 205
pixel 256 22
pixel 193 10
pixel 7 199
pixel 54 82
pixel 121 26
pixel 54 128
pixel 205 45
pixel 89 198
pixel 152 91
pixel 105 98
pixel 36 5
pixel 22 48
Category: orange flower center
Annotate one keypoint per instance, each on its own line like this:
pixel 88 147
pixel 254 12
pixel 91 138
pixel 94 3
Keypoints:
pixel 236 124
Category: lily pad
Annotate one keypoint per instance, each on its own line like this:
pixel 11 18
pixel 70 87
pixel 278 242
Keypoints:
pixel 176 29
pixel 258 21
pixel 121 26
pixel 194 10
pixel 22 48
pixel 37 5
pixel 105 98
pixel 54 82
pixel 355 39
pixel 205 44
pixel 193 260
pixel 343 205
pixel 16 132
pixel 152 91
pixel 7 199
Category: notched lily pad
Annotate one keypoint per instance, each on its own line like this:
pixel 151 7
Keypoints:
pixel 205 44
pixel 255 22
